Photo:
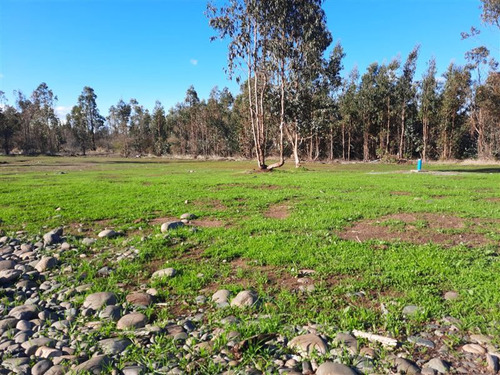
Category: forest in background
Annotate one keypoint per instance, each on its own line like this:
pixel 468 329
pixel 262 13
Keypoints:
pixel 294 102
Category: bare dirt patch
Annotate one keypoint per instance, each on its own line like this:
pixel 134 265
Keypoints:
pixel 493 199
pixel 76 229
pixel 270 187
pixel 419 228
pixel 213 204
pixel 278 211
pixel 207 223
pixel 400 193
pixel 98 225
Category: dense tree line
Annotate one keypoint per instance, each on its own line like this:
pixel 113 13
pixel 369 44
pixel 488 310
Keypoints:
pixel 293 102
pixel 384 113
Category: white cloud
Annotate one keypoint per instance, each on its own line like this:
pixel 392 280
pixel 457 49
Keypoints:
pixel 193 62
pixel 62 111
pixel 1 76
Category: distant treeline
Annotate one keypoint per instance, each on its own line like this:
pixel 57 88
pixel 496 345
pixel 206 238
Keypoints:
pixel 382 114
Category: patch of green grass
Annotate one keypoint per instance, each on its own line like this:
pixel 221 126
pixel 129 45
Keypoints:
pixel 324 200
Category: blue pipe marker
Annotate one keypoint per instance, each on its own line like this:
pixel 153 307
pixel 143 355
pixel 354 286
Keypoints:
pixel 419 165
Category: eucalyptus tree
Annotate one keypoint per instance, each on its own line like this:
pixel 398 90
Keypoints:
pixel 244 23
pixel 90 114
pixel 333 84
pixel 312 111
pixel 369 103
pixel 75 120
pixel 221 137
pixel 429 106
pixel 45 121
pixel 406 92
pixel 455 99
pixel 26 111
pixel 140 120
pixel 192 131
pixel 386 83
pixel 185 121
pixel 349 112
pixel 39 123
pixel 9 124
pixel 276 43
pixel 479 59
pixel 485 117
pixel 118 119
pixel 240 118
pixel 298 41
pixel 491 12
pixel 159 130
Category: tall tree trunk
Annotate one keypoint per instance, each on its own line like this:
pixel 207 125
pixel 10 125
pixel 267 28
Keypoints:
pixel 402 135
pixel 425 131
pixel 296 151
pixel 482 145
pixel 349 145
pixel 317 143
pixel 366 148
pixel 331 144
pixel 310 151
pixel 387 141
pixel 282 124
pixel 293 137
pixel 343 141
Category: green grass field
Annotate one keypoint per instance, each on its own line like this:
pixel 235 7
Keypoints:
pixel 378 237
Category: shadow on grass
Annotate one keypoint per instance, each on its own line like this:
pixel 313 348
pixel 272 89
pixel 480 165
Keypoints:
pixel 472 170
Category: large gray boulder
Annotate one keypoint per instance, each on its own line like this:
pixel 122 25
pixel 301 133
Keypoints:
pixel 245 298
pixel 93 365
pixel 132 321
pixel 166 272
pixel 308 344
pixel 53 237
pixel 97 300
pixel 24 312
pixel 330 368
pixel 171 225
pixel 46 263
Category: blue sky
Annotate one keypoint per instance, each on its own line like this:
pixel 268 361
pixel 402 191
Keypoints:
pixel 155 49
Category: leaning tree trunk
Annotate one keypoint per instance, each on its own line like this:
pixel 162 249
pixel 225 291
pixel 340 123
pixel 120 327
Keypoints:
pixel 482 145
pixel 317 149
pixel 293 137
pixel 296 151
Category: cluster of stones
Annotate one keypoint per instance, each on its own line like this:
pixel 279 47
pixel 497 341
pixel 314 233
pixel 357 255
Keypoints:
pixel 50 328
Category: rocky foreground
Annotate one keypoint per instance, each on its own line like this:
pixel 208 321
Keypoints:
pixel 51 326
